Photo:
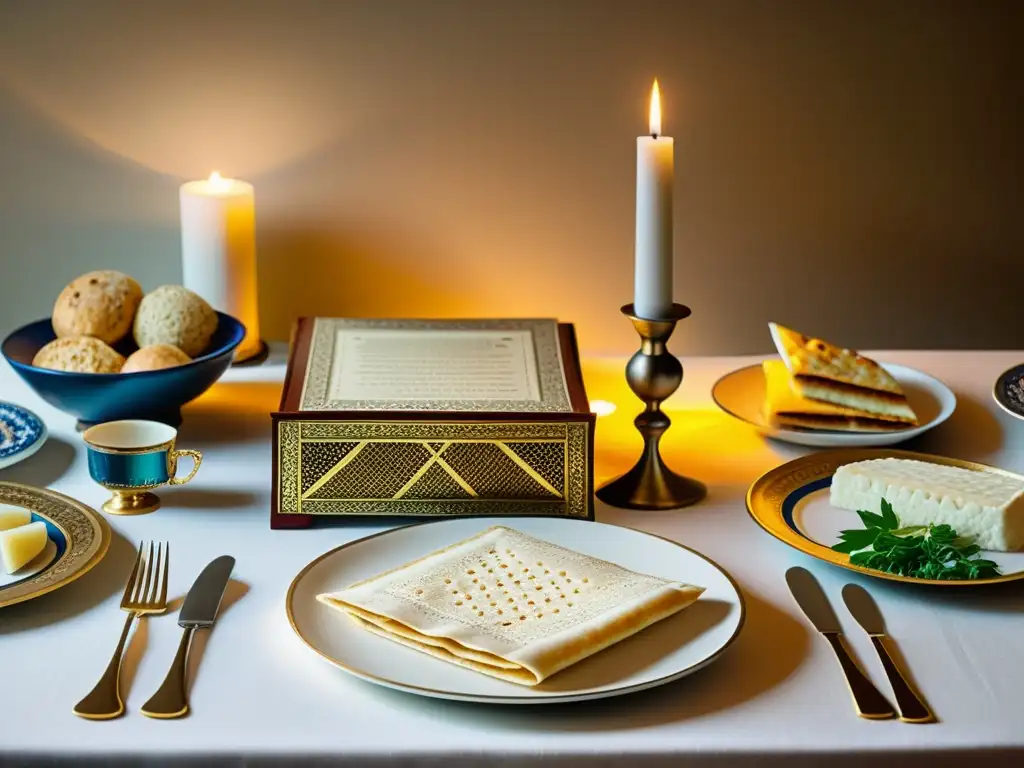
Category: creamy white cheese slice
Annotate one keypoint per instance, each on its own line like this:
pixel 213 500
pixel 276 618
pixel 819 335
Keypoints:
pixel 12 517
pixel 19 546
pixel 986 506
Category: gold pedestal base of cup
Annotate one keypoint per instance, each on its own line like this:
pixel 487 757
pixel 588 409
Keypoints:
pixel 131 503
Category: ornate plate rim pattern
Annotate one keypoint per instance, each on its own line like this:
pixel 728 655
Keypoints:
pixel 767 495
pixel 63 512
pixel 512 699
pixel 999 393
pixel 31 448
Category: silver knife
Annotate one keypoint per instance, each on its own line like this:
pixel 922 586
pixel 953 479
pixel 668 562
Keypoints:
pixel 199 612
pixel 865 611
pixel 867 700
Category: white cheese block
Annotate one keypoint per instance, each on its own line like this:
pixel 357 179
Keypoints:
pixel 986 506
pixel 12 517
pixel 19 546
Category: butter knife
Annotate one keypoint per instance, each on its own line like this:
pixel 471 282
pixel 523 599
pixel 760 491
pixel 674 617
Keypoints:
pixel 865 611
pixel 867 700
pixel 198 612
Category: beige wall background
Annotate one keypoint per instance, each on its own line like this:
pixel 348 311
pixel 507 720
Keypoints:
pixel 850 168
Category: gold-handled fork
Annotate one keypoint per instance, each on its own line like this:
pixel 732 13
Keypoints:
pixel 145 593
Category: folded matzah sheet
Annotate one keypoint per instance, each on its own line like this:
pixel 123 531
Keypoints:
pixel 509 605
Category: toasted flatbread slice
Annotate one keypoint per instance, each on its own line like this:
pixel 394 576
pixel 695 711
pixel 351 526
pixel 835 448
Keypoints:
pixel 826 373
pixel 824 423
pixel 786 407
pixel 808 356
pixel 882 405
pixel 509 605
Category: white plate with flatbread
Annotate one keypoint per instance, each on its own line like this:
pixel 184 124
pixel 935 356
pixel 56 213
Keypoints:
pixel 666 650
pixel 741 393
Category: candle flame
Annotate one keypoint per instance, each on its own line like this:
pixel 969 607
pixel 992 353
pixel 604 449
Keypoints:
pixel 602 407
pixel 218 183
pixel 655 114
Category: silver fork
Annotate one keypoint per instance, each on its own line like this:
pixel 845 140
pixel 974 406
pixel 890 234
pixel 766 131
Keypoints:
pixel 145 593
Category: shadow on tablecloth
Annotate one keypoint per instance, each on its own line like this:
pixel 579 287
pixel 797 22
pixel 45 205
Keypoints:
pixel 770 647
pixel 45 467
pixel 954 758
pixel 106 579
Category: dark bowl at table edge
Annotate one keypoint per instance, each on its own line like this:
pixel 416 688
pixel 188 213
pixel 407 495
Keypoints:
pixel 98 397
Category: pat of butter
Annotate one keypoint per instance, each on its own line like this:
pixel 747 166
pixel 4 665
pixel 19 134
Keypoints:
pixel 19 546
pixel 986 506
pixel 12 517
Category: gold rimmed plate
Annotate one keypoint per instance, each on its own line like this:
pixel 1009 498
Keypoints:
pixel 791 502
pixel 666 651
pixel 77 539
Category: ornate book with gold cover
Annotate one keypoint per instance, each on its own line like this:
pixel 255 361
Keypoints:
pixel 432 418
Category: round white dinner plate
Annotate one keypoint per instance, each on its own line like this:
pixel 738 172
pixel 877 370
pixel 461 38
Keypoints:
pixel 666 651
pixel 22 433
pixel 741 394
pixel 791 502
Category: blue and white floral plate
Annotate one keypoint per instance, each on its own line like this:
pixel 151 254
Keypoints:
pixel 22 433
pixel 78 540
pixel 1009 391
pixel 791 502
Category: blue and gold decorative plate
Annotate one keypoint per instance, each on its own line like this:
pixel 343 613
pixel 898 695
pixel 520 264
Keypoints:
pixel 791 502
pixel 22 433
pixel 78 540
pixel 1009 391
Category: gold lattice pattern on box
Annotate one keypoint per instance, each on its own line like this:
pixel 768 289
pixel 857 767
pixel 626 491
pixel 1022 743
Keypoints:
pixel 374 468
pixel 431 470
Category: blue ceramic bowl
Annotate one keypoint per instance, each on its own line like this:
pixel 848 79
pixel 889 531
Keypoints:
pixel 97 397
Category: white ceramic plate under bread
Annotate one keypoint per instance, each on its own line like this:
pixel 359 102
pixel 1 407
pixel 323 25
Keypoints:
pixel 666 651
pixel 741 394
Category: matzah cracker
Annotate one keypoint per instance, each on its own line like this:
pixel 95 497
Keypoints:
pixel 510 605
pixel 785 407
pixel 826 373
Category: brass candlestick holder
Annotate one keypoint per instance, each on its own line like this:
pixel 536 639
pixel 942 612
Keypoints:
pixel 653 374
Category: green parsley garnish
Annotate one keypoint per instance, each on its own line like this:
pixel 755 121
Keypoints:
pixel 920 551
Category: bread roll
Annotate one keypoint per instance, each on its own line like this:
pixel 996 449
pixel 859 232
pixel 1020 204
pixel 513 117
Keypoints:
pixel 82 354
pixel 175 315
pixel 153 358
pixel 100 304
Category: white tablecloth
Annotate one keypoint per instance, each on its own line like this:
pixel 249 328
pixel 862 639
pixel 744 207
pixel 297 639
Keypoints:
pixel 776 697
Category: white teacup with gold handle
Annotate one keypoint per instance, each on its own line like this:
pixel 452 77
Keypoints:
pixel 131 458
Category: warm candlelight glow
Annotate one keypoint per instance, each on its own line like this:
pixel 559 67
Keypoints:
pixel 655 115
pixel 218 183
pixel 602 407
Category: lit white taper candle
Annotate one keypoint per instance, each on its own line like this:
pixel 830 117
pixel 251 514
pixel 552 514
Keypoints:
pixel 218 251
pixel 652 289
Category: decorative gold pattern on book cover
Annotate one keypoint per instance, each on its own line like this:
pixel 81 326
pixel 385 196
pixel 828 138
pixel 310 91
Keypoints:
pixel 430 468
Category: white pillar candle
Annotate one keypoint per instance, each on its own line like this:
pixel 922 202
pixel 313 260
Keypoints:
pixel 652 289
pixel 218 251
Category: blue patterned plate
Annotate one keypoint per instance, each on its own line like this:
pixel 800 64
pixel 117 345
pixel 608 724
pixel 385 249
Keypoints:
pixel 791 502
pixel 1009 391
pixel 22 433
pixel 78 539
